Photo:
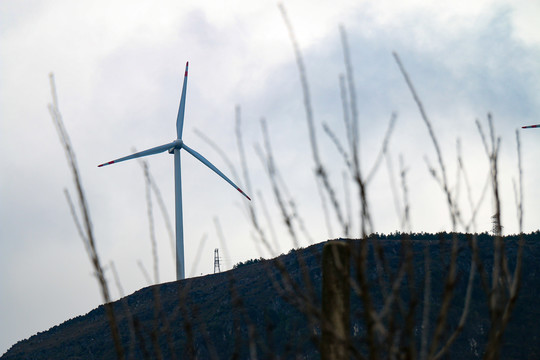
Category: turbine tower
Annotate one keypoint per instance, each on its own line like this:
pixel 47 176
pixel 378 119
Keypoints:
pixel 174 148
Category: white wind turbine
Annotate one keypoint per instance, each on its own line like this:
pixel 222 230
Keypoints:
pixel 174 148
pixel 530 126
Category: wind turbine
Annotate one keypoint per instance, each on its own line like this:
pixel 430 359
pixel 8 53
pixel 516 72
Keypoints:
pixel 531 126
pixel 174 148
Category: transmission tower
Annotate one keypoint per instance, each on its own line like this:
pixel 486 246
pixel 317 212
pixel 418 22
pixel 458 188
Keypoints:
pixel 496 228
pixel 216 261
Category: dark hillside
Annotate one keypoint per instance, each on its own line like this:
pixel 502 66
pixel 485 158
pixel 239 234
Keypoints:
pixel 260 309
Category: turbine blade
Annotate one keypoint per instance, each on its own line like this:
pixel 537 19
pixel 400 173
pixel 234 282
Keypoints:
pixel 531 126
pixel 209 164
pixel 181 108
pixel 152 151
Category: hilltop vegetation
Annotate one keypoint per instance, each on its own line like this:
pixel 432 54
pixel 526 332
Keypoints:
pixel 254 312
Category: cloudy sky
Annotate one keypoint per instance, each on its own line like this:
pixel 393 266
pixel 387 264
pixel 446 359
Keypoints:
pixel 119 66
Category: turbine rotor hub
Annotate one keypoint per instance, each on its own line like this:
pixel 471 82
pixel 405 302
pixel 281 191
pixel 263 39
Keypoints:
pixel 176 144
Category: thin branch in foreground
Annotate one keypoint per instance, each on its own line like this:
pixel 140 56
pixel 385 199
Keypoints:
pixel 151 222
pixel 406 220
pixel 76 220
pixel 461 165
pixel 427 304
pixel 238 304
pixel 252 213
pixel 456 190
pixel 281 192
pixel 270 224
pixel 513 288
pixel 393 187
pixel 223 155
pixel 165 214
pixel 466 305
pixel 320 170
pixel 304 84
pixel 198 255
pixel 348 208
pixel 355 144
pixel 325 210
pixel 144 272
pixel 454 215
pixel 519 191
pixel 267 161
pixel 384 148
pixel 427 122
pixel 345 105
pixel 88 237
pixel 337 144
pixel 241 152
pixel 127 312
pixel 366 224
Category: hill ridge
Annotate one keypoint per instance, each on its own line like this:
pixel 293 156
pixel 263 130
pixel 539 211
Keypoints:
pixel 250 307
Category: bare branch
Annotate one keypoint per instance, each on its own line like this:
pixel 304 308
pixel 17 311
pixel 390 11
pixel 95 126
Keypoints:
pixel 88 237
pixel 384 148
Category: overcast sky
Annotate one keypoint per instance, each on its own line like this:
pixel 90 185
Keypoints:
pixel 119 68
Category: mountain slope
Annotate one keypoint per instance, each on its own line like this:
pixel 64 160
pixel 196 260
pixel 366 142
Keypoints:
pixel 259 309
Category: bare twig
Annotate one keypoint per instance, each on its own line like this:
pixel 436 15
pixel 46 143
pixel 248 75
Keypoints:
pixel 393 186
pixel 512 291
pixel 384 148
pixel 354 128
pixel 198 254
pixel 433 137
pixel 320 170
pixel 151 222
pixel 268 163
pixel 270 223
pixel 337 144
pixel 223 155
pixel 157 193
pixel 127 311
pixel 346 117
pixel 241 151
pixel 88 237
pixel 466 305
pixel 405 220
pixel 427 304
pixel 519 196
pixel 144 272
